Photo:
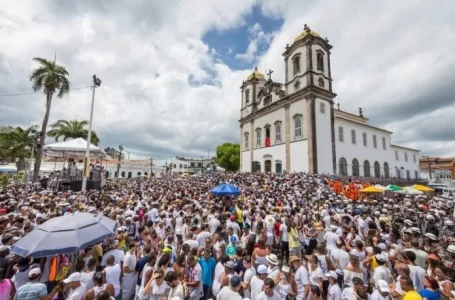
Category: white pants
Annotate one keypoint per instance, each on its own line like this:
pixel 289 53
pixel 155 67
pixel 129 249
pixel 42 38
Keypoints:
pixel 128 286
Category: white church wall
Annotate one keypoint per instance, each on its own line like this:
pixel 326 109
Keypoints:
pixel 274 153
pixel 270 118
pixel 299 156
pixel 324 137
pixel 246 161
pixel 412 163
pixel 358 151
pixel 299 107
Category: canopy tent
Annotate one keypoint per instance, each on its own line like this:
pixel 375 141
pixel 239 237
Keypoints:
pixel 378 186
pixel 225 189
pixel 76 147
pixel 371 189
pixel 393 188
pixel 422 188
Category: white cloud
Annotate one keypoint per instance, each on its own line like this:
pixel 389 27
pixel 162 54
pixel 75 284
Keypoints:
pixel 166 92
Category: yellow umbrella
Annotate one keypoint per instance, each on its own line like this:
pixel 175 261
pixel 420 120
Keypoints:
pixel 422 188
pixel 371 189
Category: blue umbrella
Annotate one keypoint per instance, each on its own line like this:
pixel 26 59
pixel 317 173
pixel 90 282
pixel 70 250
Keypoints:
pixel 65 234
pixel 225 189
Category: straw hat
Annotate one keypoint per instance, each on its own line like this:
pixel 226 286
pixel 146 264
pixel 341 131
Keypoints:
pixel 270 220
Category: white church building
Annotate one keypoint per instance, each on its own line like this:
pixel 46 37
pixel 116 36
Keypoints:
pixel 295 127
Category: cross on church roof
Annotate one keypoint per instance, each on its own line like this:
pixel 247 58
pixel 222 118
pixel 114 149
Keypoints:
pixel 269 74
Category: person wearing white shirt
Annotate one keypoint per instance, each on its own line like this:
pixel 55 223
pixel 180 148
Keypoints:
pixel 118 254
pixel 129 274
pixel 214 223
pixel 268 293
pixel 382 291
pixel 381 272
pixel 334 290
pixel 301 277
pixel 257 282
pixel 250 271
pixel 76 288
pixel 331 238
pixel 111 274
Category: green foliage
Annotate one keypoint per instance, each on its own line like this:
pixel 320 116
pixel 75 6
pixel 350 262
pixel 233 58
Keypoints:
pixel 4 180
pixel 16 143
pixel 228 156
pixel 72 130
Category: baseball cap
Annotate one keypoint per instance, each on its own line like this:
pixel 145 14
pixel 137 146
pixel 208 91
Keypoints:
pixel 383 286
pixel 34 272
pixel 332 274
pixel 235 281
pixel 73 277
pixel 233 239
pixel 262 269
pixel 229 264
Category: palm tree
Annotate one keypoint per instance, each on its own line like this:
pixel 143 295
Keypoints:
pixel 72 130
pixel 17 142
pixel 51 79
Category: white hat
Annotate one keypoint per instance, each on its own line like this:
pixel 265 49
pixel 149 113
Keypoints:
pixel 383 286
pixel 333 227
pixel 451 248
pixel 262 269
pixel 415 229
pixel 73 277
pixel 380 257
pixel 448 223
pixel 272 259
pixel 332 274
pixel 34 272
pixel 431 236
pixel 285 269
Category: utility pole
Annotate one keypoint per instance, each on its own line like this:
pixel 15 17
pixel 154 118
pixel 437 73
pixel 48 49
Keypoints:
pixel 208 154
pixel 202 165
pixel 119 160
pixel 35 144
pixel 128 155
pixel 151 166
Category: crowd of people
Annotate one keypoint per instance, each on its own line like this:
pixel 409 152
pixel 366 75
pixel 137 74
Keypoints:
pixel 287 236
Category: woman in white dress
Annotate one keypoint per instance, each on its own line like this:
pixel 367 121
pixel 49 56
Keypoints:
pixel 156 287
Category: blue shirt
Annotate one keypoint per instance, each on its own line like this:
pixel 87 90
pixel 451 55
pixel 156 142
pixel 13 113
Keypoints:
pixel 430 295
pixel 31 291
pixel 208 267
pixel 139 267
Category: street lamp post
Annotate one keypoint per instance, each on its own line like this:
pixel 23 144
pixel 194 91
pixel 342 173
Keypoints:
pixel 119 160
pixel 202 165
pixel 96 83
pixel 429 165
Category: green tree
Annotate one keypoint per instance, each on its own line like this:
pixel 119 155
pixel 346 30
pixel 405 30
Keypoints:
pixel 228 156
pixel 52 79
pixel 72 130
pixel 17 143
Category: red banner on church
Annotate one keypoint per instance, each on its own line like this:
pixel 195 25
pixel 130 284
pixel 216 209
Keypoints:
pixel 267 142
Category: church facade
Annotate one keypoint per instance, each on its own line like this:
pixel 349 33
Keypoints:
pixel 294 126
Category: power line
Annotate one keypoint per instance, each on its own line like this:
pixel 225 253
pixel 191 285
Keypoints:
pixel 20 94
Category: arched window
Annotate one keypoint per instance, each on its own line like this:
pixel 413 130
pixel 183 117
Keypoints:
pixel 246 141
pixel 297 126
pixel 297 85
pixel 258 137
pixel 377 170
pixel 386 170
pixel 139 173
pixel 296 64
pixel 320 61
pixel 123 174
pixel 355 167
pixel 343 166
pixel 366 169
pixel 277 132
pixel 146 173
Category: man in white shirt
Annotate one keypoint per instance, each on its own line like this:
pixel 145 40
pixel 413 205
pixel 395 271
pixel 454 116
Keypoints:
pixel 339 257
pixel 203 235
pixel 268 293
pixel 118 254
pixel 250 271
pixel 257 282
pixel 284 240
pixel 129 275
pixel 331 238
pixel 381 292
pixel 301 278
pixel 76 288
pixel 194 282
pixel 381 272
pixel 214 223
pixel 231 292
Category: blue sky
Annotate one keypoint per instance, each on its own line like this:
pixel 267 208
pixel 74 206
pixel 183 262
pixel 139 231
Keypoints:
pixel 228 43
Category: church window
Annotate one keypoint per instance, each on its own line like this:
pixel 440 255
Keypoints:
pixel 405 156
pixel 258 137
pixel 297 126
pixel 247 138
pixel 343 167
pixel 175 166
pixel 192 164
pixel 386 170
pixel 397 157
pixel 321 82
pixel 340 134
pixel 383 143
pixel 416 174
pixel 297 85
pixel 414 157
pixel 375 142
pixel 377 170
pixel 247 96
pixel 322 107
pixel 180 166
pixel 366 169
pixel 355 167
pixel 277 132
pixel 320 61
pixel 296 64
pixel 365 141
pixel 408 174
pixel 353 138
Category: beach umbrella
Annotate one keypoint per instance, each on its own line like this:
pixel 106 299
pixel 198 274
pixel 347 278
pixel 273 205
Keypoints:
pixel 422 188
pixel 410 191
pixel 65 235
pixel 225 189
pixel 371 189
pixel 394 188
